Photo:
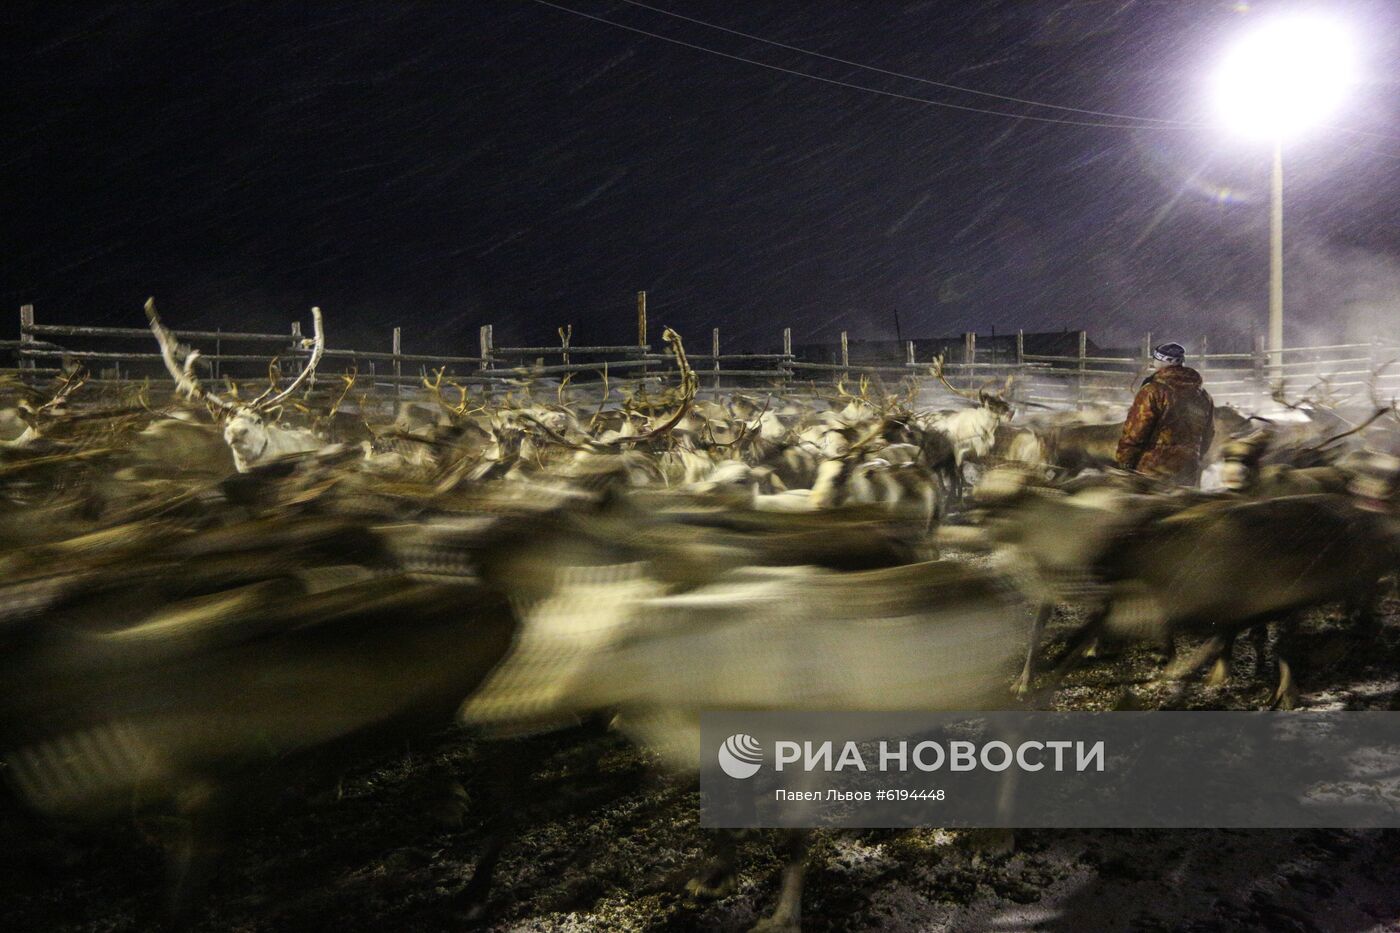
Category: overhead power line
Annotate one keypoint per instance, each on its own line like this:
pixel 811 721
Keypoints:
pixel 907 77
pixel 861 87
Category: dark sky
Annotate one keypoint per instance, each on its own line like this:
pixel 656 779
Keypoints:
pixel 442 166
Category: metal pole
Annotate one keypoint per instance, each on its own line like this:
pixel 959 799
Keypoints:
pixel 1276 269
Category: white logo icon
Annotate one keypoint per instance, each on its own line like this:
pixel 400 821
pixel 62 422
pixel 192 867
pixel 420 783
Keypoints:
pixel 740 756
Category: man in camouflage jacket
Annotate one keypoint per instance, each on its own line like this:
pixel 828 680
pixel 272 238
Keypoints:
pixel 1171 422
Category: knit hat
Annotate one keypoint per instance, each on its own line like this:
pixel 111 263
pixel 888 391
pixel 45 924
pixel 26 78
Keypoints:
pixel 1173 353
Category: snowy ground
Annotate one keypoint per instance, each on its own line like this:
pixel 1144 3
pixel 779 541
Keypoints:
pixel 607 845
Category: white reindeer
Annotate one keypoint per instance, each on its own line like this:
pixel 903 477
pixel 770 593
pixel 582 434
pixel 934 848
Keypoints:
pixel 972 432
pixel 250 437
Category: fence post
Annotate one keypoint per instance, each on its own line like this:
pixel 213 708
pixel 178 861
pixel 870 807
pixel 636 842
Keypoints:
pixel 398 364
pixel 1205 348
pixel 26 319
pixel 845 358
pixel 787 355
pixel 1083 363
pixel 296 345
pixel 485 346
pixel 970 349
pixel 1020 349
pixel 1260 384
pixel 909 353
pixel 714 351
pixel 642 332
pixel 1147 348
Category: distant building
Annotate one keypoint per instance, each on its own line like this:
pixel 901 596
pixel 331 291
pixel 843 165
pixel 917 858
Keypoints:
pixel 998 348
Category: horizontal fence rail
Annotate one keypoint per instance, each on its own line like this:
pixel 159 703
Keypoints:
pixel 1342 374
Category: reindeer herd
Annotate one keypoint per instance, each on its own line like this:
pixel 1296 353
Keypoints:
pixel 200 590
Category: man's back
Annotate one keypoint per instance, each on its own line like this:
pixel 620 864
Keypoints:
pixel 1169 426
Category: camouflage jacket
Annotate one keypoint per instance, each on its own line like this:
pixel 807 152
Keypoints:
pixel 1169 427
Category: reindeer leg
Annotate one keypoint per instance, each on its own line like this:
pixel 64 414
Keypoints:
pixel 1285 695
pixel 1220 670
pixel 1259 638
pixel 192 855
pixel 787 915
pixel 1361 609
pixel 1082 642
pixel 1212 650
pixel 1168 647
pixel 1042 616
pixel 512 772
pixel 719 876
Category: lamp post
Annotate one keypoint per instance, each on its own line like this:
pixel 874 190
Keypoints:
pixel 1276 268
pixel 1286 75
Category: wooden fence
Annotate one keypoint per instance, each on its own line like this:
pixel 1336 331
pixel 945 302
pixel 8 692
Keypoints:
pixel 1343 374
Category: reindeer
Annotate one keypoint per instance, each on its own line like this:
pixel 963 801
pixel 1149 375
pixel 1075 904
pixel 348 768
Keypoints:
pixel 20 426
pixel 972 432
pixel 252 439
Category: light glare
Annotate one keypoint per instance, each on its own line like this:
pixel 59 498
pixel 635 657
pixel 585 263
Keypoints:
pixel 1285 76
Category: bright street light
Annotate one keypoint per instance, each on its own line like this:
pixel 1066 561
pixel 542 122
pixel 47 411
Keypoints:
pixel 1287 75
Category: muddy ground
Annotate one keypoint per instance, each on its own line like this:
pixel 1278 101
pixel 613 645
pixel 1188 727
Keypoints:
pixel 607 844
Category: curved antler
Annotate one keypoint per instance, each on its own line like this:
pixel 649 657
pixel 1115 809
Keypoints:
pixel 185 379
pixel 690 384
pixel 435 389
pixel 71 382
pixel 938 371
pixel 318 347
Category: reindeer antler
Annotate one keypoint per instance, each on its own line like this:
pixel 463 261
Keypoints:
pixel 71 382
pixel 690 384
pixel 1277 395
pixel 318 347
pixel 170 351
pixel 435 388
pixel 937 370
pixel 1371 389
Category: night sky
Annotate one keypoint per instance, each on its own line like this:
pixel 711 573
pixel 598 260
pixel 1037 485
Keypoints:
pixel 442 166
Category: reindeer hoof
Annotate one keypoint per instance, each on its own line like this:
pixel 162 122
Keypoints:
pixel 712 885
pixel 777 925
pixel 1286 693
pixel 472 914
pixel 1219 674
pixel 1021 688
